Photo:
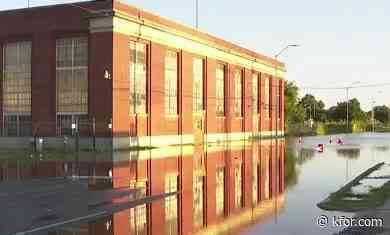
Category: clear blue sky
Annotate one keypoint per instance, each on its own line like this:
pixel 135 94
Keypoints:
pixel 342 41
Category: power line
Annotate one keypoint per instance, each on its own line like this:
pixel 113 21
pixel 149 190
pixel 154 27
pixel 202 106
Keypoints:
pixel 344 87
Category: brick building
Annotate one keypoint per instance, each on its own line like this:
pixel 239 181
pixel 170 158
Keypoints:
pixel 113 70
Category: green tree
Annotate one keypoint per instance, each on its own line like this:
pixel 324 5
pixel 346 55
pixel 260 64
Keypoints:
pixel 314 108
pixel 294 113
pixel 382 113
pixel 339 112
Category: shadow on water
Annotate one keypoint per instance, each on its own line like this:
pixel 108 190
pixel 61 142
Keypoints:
pixel 350 153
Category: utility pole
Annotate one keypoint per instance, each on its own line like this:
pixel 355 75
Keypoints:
pixel 347 91
pixel 347 104
pixel 373 116
pixel 197 14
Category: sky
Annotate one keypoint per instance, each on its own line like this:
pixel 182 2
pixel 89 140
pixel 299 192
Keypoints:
pixel 341 42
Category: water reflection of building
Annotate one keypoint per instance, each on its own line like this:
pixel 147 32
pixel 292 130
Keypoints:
pixel 220 188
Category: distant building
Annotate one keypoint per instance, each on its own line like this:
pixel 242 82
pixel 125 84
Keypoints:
pixel 111 70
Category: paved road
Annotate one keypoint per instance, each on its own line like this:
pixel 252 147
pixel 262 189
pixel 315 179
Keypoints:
pixel 39 206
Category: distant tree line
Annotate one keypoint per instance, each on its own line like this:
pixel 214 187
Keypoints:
pixel 301 113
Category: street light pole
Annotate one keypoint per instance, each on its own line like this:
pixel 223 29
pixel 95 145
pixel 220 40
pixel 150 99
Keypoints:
pixel 277 119
pixel 277 87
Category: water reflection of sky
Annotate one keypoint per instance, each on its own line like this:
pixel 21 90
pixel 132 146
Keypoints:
pixel 321 174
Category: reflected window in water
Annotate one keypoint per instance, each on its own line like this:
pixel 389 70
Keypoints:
pixel 171 226
pixel 138 220
pixel 266 174
pixel 198 200
pixel 255 178
pixel 138 215
pixel 238 186
pixel 220 191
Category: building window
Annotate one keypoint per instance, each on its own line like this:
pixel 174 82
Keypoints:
pixel 238 93
pixel 255 93
pixel 198 76
pixel 278 98
pixel 238 186
pixel 171 77
pixel 17 89
pixel 17 125
pixel 139 214
pixel 137 78
pixel 68 124
pixel 72 75
pixel 171 223
pixel 267 111
pixel 198 200
pixel 220 191
pixel 220 90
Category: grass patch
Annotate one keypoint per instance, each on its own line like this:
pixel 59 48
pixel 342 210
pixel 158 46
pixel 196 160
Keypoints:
pixel 341 200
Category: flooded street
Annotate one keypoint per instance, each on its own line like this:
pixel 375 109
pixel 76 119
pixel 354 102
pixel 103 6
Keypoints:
pixel 318 175
pixel 259 187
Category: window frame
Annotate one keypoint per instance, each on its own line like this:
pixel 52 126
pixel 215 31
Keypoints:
pixel 169 203
pixel 225 71
pixel 267 97
pixel 135 112
pixel 72 68
pixel 22 113
pixel 204 75
pixel 238 100
pixel 220 211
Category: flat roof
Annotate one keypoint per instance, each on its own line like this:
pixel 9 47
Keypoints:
pixel 117 5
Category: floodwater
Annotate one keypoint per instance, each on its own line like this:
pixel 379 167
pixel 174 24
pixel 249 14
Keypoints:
pixel 318 175
pixel 258 187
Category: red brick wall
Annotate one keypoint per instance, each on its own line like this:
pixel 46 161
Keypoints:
pixel 213 124
pixel 110 51
pixel 186 104
pixel 120 83
pixel 43 83
pixel 1 87
pixel 100 89
pixel 186 195
pixel 34 25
